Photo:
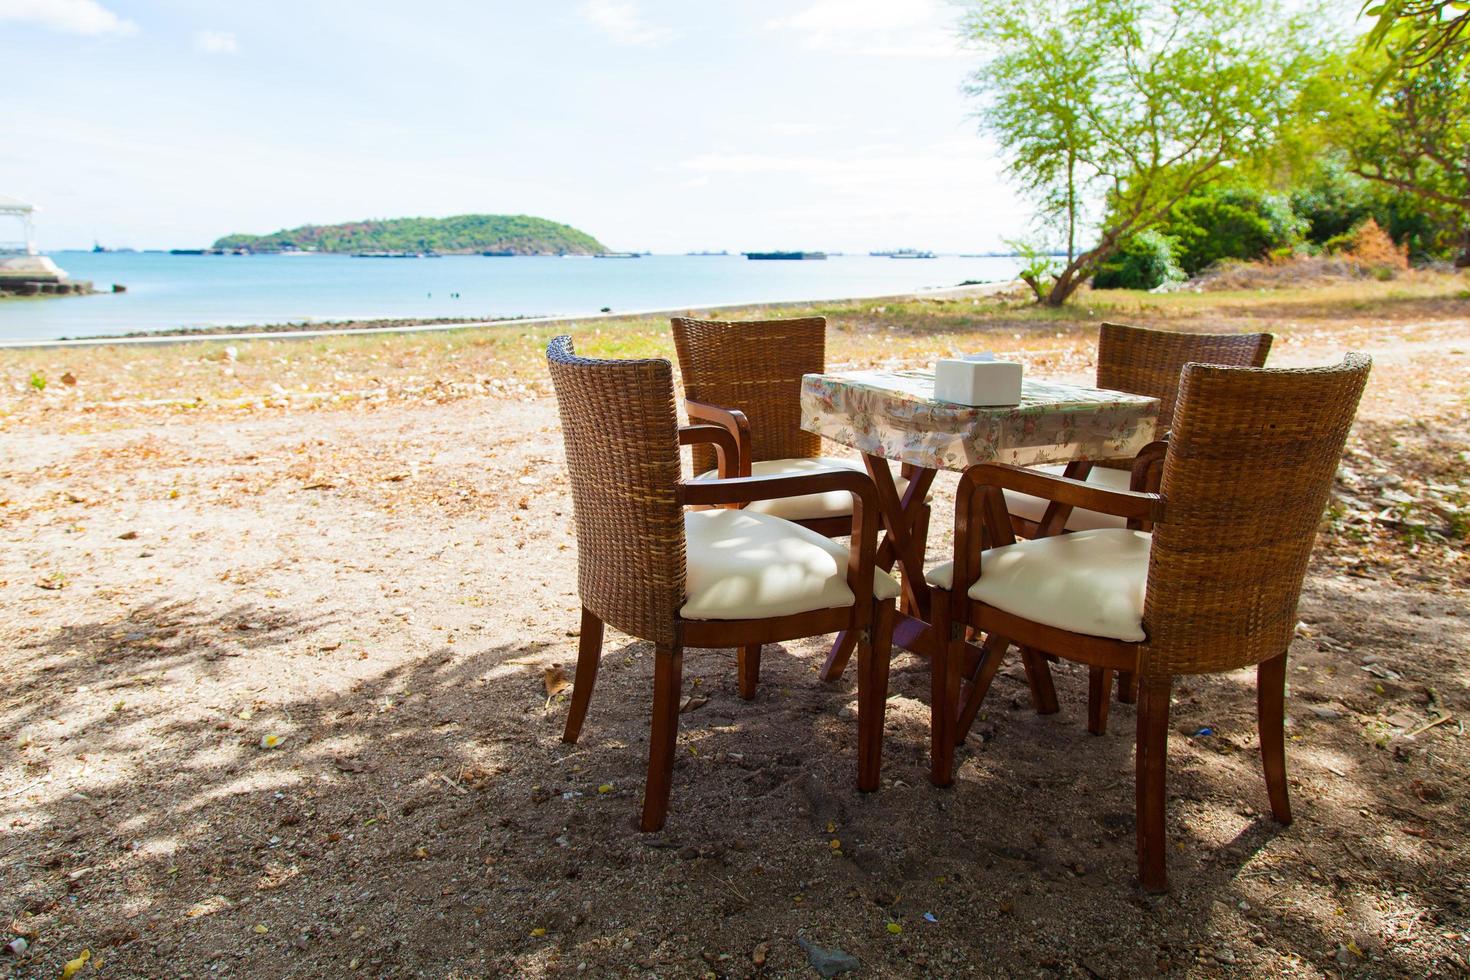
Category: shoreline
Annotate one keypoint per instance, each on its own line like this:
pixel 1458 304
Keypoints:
pixel 399 325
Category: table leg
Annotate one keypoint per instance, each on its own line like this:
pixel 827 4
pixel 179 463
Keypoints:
pixel 905 522
pixel 1054 521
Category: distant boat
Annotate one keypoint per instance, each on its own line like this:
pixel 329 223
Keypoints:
pixel 618 255
pixel 720 252
pixel 904 253
pixel 786 255
pixel 395 255
pixel 187 251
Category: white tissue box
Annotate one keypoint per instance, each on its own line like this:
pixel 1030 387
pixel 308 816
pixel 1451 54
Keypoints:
pixel 974 382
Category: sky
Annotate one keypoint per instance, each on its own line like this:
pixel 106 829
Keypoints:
pixel 665 125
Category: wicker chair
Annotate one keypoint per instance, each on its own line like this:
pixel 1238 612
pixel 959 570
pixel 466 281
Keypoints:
pixel 746 377
pixel 1142 362
pixel 1212 588
pixel 715 577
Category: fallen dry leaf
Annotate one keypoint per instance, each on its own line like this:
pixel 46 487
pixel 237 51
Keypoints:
pixel 556 681
pixel 73 967
pixel 208 906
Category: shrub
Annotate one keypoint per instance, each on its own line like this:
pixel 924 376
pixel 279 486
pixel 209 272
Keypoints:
pixel 1146 261
pixel 1373 247
pixel 1235 222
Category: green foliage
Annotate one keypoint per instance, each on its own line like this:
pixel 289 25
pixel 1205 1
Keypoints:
pixel 1332 201
pixel 1145 261
pixel 38 381
pixel 518 233
pixel 1230 222
pixel 1038 267
pixel 1417 33
pixel 1411 136
pixel 1132 102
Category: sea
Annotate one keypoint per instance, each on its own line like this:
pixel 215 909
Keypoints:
pixel 166 291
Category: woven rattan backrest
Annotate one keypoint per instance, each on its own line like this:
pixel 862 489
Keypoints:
pixel 755 366
pixel 1147 362
pixel 622 441
pixel 1249 466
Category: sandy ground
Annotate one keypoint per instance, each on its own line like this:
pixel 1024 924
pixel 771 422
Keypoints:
pixel 381 587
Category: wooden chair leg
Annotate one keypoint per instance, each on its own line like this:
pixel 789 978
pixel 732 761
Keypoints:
pixel 749 669
pixel 1099 697
pixel 1152 757
pixel 944 694
pixel 873 655
pixel 839 655
pixel 668 668
pixel 1127 687
pixel 589 654
pixel 993 654
pixel 1038 675
pixel 1271 717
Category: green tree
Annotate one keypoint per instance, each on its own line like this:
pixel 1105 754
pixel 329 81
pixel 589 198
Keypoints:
pixel 1333 201
pixel 1412 134
pixel 1416 33
pixel 1129 105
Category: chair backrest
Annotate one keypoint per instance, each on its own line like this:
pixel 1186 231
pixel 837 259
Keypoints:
pixel 755 366
pixel 1147 362
pixel 1246 478
pixel 622 442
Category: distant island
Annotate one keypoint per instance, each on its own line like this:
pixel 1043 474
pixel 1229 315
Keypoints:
pixel 501 234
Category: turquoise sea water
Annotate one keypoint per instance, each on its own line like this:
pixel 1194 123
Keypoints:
pixel 166 291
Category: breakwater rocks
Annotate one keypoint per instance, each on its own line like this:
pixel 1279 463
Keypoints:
pixel 37 275
pixel 66 287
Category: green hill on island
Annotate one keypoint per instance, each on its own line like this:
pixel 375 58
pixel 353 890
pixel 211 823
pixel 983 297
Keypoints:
pixel 465 233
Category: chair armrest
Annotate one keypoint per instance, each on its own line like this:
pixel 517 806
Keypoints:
pixel 731 419
pixel 1148 466
pixel 1076 493
pixel 981 520
pixel 864 541
pixel 744 490
pixel 727 450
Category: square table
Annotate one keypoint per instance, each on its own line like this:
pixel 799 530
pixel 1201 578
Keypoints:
pixel 894 415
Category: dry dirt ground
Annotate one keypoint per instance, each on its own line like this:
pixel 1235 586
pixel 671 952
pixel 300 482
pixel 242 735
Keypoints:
pixel 381 584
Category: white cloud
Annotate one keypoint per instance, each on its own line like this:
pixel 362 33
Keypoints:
pixel 67 16
pixel 215 42
pixel 875 28
pixel 622 22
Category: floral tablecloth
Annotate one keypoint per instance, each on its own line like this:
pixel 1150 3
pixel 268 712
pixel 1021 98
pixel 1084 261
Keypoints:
pixel 894 414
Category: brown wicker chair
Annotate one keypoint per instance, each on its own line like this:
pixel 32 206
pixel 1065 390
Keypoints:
pixel 1142 362
pixel 746 376
pixel 717 577
pixel 1213 588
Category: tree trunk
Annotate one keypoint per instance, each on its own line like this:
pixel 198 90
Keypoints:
pixel 1071 206
pixel 1071 278
pixel 1462 261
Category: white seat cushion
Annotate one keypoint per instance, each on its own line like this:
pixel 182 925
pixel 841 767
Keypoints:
pixel 834 503
pixel 1090 582
pixel 1034 508
pixel 753 566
